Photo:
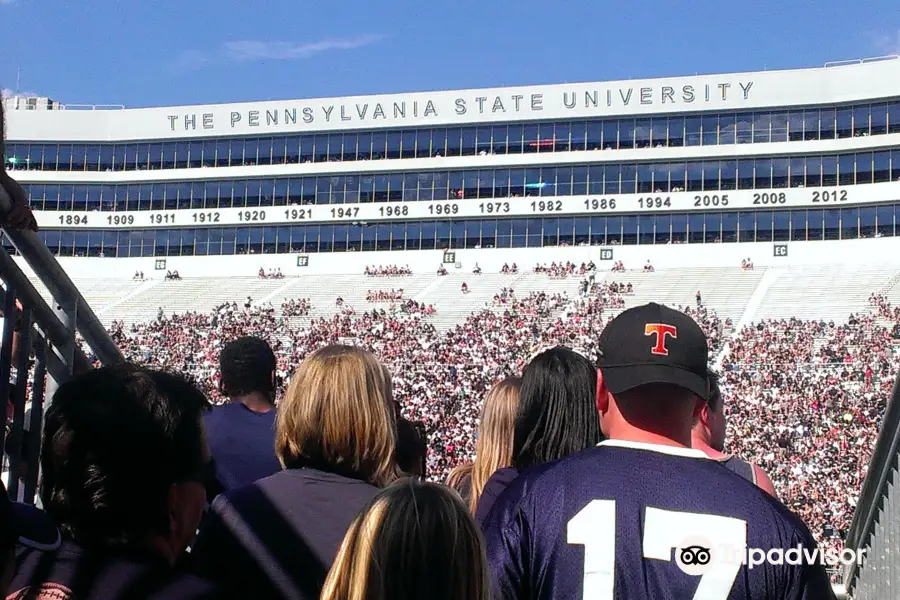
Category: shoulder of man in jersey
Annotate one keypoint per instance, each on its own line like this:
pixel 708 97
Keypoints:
pixel 537 495
pixel 809 579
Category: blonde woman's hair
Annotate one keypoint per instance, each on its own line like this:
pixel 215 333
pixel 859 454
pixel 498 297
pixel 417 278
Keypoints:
pixel 415 541
pixel 338 416
pixel 495 439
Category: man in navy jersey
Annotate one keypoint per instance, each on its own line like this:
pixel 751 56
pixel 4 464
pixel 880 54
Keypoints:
pixel 643 515
pixel 241 433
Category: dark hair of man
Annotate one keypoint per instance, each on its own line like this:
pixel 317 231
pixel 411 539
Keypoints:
pixel 557 413
pixel 115 440
pixel 246 366
pixel 715 393
pixel 411 446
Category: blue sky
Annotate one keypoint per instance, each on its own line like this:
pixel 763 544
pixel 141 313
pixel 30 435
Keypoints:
pixel 143 53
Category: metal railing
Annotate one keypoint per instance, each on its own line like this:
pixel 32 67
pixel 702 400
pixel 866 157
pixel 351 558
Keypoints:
pixel 876 522
pixel 860 61
pixel 38 341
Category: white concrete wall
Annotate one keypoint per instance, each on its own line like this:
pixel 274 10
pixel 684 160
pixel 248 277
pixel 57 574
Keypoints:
pixel 862 252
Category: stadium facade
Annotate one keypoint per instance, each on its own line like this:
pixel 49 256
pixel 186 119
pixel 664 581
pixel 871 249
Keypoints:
pixel 767 165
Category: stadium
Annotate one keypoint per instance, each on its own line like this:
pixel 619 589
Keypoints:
pixel 457 234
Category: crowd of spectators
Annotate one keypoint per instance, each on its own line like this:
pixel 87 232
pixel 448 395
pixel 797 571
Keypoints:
pixel 271 273
pixel 804 397
pixel 391 295
pixel 564 269
pixel 388 271
pixel 806 401
pixel 299 307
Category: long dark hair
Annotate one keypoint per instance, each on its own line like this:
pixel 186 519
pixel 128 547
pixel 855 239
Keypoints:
pixel 557 413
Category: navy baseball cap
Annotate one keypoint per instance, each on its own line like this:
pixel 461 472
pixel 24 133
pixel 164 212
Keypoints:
pixel 26 525
pixel 653 344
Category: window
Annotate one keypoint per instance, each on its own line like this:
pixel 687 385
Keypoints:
pixel 864 167
pixel 762 128
pixel 882 166
pixel 710 130
pixel 711 176
pixel 692 131
pixel 847 174
pixel 861 121
pixel 469 137
pixel 348 148
pixel 811 124
pixel 516 135
pixel 763 178
pixel 423 146
pixel 695 228
pixel 781 221
pixel 832 224
pixel 614 230
pixel 408 144
pixel 780 167
pixel 659 132
pixel 679 228
pixel 815 224
pixel 795 125
pixel 729 227
pixel 845 122
pixel 826 124
pixel 454 142
pixel 626 133
pixel 849 223
pixel 713 226
pixel 829 171
pixel 663 228
pixel 747 226
pixel 645 229
pixel 629 230
pixel 763 226
pixel 779 127
pixel 642 133
pixel 867 222
pixel 885 221
pixel 894 117
pixel 611 135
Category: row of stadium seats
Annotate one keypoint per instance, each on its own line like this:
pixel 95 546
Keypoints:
pixel 829 293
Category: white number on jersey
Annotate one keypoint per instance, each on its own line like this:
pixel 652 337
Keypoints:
pixel 594 527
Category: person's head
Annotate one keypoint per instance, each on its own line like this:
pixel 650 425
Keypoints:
pixel 124 459
pixel 652 384
pixel 557 413
pixel 412 448
pixel 710 425
pixel 415 541
pixel 247 367
pixel 338 416
pixel 494 448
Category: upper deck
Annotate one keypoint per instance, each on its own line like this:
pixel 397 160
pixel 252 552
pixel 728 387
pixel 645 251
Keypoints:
pixel 752 91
